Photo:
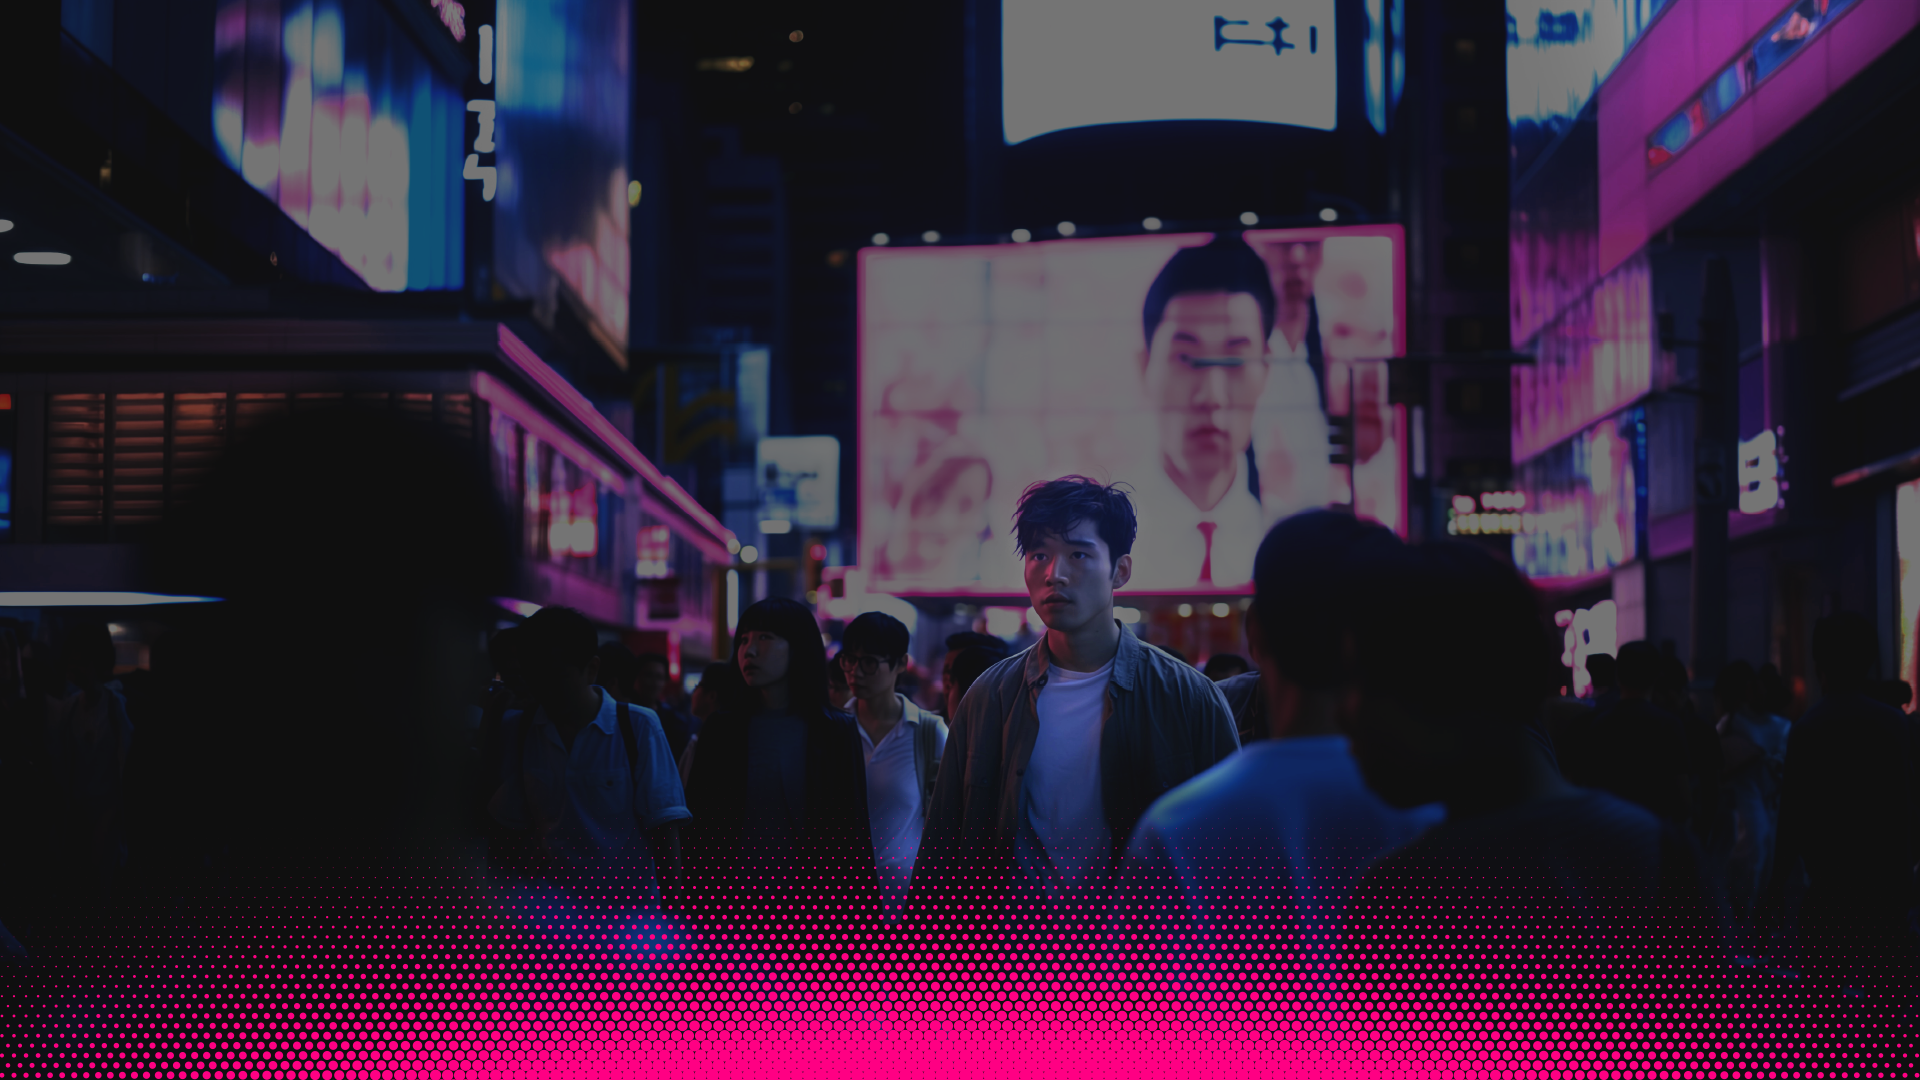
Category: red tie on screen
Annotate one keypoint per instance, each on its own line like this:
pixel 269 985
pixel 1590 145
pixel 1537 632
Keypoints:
pixel 1206 561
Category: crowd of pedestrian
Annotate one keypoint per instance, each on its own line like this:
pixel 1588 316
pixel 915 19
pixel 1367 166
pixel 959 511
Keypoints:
pixel 1385 784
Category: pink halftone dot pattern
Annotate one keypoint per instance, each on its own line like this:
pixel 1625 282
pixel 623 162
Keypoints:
pixel 369 982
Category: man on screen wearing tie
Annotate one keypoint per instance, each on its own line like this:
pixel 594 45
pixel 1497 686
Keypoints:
pixel 1207 320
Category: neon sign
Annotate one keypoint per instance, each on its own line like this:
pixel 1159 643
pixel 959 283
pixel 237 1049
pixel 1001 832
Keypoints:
pixel 452 16
pixel 1587 632
pixel 1758 473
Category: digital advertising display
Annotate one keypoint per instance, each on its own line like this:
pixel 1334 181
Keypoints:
pixel 1209 373
pixel 561 212
pixel 328 109
pixel 1075 63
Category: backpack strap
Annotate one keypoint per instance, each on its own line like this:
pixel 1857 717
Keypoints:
pixel 926 757
pixel 625 720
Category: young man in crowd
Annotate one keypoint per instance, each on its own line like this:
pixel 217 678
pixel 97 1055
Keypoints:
pixel 1061 749
pixel 1275 837
pixel 587 778
pixel 902 743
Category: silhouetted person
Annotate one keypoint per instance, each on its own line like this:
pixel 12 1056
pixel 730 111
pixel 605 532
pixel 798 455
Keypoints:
pixel 1056 752
pixel 839 693
pixel 89 738
pixel 778 786
pixel 1634 749
pixel 652 677
pixel 1603 672
pixel 965 670
pixel 1897 693
pixel 1530 880
pixel 902 744
pixel 355 553
pixel 588 780
pixel 1224 666
pixel 1753 746
pixel 1270 842
pixel 959 643
pixel 1850 814
pixel 717 682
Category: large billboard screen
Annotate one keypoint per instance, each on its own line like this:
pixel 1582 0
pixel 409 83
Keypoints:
pixel 1200 370
pixel 1074 63
pixel 561 214
pixel 327 108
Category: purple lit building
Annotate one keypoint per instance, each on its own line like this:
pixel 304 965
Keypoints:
pixel 218 212
pixel 1651 142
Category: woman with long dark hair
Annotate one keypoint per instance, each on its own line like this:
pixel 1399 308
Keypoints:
pixel 778 790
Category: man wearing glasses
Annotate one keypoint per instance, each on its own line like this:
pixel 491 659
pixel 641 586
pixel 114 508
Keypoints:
pixel 1206 320
pixel 902 743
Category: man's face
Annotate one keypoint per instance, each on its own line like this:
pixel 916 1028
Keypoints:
pixel 1204 372
pixel 871 678
pixel 650 685
pixel 1071 578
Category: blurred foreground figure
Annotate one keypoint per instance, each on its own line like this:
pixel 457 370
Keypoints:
pixel 1530 882
pixel 322 767
pixel 1850 813
pixel 1272 840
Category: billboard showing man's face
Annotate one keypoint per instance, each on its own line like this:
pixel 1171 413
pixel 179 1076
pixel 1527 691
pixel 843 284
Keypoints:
pixel 1199 370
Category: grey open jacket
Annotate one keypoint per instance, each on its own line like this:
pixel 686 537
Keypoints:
pixel 1164 723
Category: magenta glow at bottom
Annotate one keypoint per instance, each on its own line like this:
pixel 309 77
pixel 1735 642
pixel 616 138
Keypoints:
pixel 549 990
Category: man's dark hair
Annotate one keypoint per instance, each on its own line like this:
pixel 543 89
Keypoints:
pixel 616 666
pixel 555 638
pixel 1225 265
pixel 1845 649
pixel 505 649
pixel 646 658
pixel 1638 666
pixel 1735 685
pixel 1303 578
pixel 1050 508
pixel 879 635
pixel 1225 665
pixel 972 663
pixel 1485 656
pixel 1603 669
pixel 974 639
pixel 806 655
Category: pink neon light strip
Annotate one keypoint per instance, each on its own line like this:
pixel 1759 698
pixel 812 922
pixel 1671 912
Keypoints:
pixel 524 358
pixel 494 393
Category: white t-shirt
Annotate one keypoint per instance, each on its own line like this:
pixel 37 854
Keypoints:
pixel 1061 793
pixel 894 813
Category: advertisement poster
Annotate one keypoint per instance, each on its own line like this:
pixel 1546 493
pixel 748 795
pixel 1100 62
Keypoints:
pixel 1207 373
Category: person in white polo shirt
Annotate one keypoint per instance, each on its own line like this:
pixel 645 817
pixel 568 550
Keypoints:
pixel 902 744
pixel 588 782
